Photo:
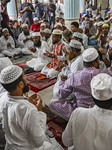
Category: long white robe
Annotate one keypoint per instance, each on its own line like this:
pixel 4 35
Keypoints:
pixel 23 124
pixel 38 63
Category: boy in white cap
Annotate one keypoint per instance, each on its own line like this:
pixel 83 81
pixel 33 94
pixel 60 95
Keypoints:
pixel 24 123
pixel 79 85
pixel 36 25
pixel 92 128
pixel 38 50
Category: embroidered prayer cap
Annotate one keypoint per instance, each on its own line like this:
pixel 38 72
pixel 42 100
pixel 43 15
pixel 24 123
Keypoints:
pixel 4 62
pixel 5 29
pixel 99 24
pixel 57 32
pixel 110 44
pixel 105 25
pixel 66 32
pixel 43 24
pixel 47 31
pixel 36 34
pixel 90 54
pixel 35 19
pixel 24 25
pixel 101 87
pixel 10 74
pixel 78 35
pixel 75 44
pixel 91 19
pixel 58 24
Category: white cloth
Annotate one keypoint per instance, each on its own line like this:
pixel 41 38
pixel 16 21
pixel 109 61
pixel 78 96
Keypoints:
pixel 89 129
pixel 22 37
pixel 24 126
pixel 9 51
pixel 41 60
pixel 61 10
pixel 85 41
pixel 57 12
pixel 50 43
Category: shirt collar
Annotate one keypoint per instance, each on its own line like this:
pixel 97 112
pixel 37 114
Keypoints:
pixel 105 111
pixel 17 97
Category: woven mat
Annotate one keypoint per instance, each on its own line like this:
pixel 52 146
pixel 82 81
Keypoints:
pixel 38 85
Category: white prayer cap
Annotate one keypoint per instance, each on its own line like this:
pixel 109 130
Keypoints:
pixel 110 44
pixel 57 32
pixel 20 19
pixel 106 21
pixel 78 35
pixel 91 19
pixel 99 24
pixel 5 29
pixel 24 25
pixel 58 24
pixel 90 54
pixel 10 74
pixel 94 15
pixel 110 18
pixel 75 44
pixel 36 34
pixel 4 62
pixel 35 19
pixel 101 87
pixel 105 25
pixel 97 17
pixel 43 24
pixel 109 12
pixel 47 31
pixel 89 9
pixel 83 15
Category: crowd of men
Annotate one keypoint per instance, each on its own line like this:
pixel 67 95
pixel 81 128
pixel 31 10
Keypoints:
pixel 81 60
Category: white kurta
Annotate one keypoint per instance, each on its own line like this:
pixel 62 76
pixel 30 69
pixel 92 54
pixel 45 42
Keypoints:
pixel 23 124
pixel 38 63
pixel 9 51
pixel 27 44
pixel 89 129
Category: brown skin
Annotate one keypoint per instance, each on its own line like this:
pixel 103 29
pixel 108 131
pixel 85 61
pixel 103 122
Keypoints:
pixel 73 28
pixel 35 40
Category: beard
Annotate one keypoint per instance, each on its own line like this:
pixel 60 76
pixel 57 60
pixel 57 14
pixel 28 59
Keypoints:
pixel 37 44
pixel 6 37
pixel 26 88
pixel 26 33
pixel 71 56
pixel 110 57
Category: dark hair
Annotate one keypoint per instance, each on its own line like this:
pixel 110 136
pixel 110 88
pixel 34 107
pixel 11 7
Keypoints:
pixel 76 24
pixel 14 21
pixel 89 64
pixel 103 104
pixel 61 18
pixel 46 21
pixel 77 50
pixel 12 86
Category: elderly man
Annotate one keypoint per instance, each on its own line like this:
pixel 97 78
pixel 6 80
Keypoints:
pixel 24 123
pixel 36 25
pixel 91 128
pixel 52 69
pixel 8 44
pixel 25 39
pixel 79 84
pixel 38 50
pixel 26 9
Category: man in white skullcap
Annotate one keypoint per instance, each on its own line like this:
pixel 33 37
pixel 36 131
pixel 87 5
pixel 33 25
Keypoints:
pixel 36 25
pixel 58 26
pixel 59 54
pixel 48 38
pixel 24 40
pixel 79 85
pixel 8 44
pixel 38 50
pixel 23 122
pixel 91 128
pixel 75 64
pixel 90 29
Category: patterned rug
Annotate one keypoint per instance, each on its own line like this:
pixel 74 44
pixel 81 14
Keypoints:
pixel 56 125
pixel 38 81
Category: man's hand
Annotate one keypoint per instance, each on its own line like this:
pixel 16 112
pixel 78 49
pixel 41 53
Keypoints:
pixel 36 100
pixel 48 54
pixel 102 51
pixel 61 64
pixel 26 40
pixel 63 78
pixel 8 44
pixel 32 49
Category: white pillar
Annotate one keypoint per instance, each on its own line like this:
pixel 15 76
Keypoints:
pixel 11 9
pixel 110 3
pixel 82 6
pixel 71 12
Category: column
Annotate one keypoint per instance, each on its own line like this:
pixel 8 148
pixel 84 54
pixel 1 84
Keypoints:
pixel 11 9
pixel 82 6
pixel 71 12
pixel 110 3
